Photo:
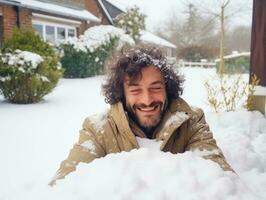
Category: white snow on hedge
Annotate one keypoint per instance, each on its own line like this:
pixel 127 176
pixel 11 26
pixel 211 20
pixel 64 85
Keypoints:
pixel 22 59
pixel 99 35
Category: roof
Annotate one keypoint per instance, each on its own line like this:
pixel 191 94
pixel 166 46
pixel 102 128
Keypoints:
pixel 146 36
pixel 151 38
pixel 55 9
pixel 105 11
pixel 119 5
pixel 235 55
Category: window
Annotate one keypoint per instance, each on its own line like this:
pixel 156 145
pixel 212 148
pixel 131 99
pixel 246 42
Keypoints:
pixel 50 33
pixel 71 32
pixel 61 33
pixel 39 29
pixel 53 32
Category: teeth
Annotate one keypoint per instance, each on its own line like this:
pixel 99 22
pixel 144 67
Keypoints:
pixel 148 109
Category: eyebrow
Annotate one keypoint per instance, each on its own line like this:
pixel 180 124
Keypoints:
pixel 157 82
pixel 153 83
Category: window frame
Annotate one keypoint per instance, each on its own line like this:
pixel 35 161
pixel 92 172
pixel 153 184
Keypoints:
pixel 55 25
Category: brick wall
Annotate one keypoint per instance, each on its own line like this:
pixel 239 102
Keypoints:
pixel 94 7
pixel 9 17
pixel 25 18
pixel 10 20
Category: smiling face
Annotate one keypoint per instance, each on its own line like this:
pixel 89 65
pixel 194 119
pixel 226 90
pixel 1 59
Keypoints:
pixel 146 96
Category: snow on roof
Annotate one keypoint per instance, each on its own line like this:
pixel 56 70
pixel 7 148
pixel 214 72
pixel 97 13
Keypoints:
pixel 59 10
pixel 151 38
pixel 234 55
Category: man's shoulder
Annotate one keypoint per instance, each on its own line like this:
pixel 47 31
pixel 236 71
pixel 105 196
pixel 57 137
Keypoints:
pixel 100 121
pixel 96 122
pixel 180 105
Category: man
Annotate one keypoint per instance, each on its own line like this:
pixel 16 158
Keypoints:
pixel 143 91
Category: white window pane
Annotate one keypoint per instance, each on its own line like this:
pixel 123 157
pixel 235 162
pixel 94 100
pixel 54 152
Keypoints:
pixel 71 32
pixel 50 33
pixel 39 29
pixel 61 33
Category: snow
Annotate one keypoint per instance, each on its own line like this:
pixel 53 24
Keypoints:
pixel 99 35
pixel 98 120
pixel 178 117
pixel 21 58
pixel 260 90
pixel 59 10
pixel 235 55
pixel 89 146
pixel 35 138
pixel 149 37
pixel 149 143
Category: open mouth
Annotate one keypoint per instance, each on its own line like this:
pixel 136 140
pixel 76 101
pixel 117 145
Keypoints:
pixel 148 109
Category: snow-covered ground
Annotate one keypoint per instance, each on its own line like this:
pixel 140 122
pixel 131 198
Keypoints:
pixel 35 138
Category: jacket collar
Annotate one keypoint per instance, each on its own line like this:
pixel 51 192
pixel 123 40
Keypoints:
pixel 177 113
pixel 120 118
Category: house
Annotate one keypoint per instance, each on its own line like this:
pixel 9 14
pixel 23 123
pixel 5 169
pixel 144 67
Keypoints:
pixel 109 9
pixel 54 20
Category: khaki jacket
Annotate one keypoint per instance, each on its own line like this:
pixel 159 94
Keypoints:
pixel 182 128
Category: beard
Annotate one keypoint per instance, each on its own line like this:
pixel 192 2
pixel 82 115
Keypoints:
pixel 148 122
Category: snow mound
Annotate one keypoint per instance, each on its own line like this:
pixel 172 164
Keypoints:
pixel 148 173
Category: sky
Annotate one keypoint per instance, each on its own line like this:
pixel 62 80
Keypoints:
pixel 159 11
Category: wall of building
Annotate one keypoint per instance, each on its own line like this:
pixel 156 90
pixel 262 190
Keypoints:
pixel 12 17
pixel 94 7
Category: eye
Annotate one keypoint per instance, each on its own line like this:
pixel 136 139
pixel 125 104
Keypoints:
pixel 135 91
pixel 156 89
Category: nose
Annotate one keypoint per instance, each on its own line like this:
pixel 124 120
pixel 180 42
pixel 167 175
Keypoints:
pixel 146 98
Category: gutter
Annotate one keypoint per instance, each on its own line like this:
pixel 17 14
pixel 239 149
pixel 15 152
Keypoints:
pixel 18 4
pixel 17 8
pixel 13 3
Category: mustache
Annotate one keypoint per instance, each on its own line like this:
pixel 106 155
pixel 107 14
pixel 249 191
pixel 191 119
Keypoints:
pixel 152 104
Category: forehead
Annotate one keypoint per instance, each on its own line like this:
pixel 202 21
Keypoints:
pixel 147 75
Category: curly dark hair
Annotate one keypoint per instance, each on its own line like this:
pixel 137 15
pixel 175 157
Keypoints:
pixel 130 62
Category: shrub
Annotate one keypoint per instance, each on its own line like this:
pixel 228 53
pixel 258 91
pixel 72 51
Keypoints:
pixel 29 68
pixel 195 53
pixel 132 21
pixel 81 64
pixel 228 92
pixel 233 64
pixel 85 56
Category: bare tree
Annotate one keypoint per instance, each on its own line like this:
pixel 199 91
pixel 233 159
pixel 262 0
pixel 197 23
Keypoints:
pixel 193 29
pixel 223 10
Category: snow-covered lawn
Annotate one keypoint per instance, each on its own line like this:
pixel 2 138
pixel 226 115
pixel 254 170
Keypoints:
pixel 35 138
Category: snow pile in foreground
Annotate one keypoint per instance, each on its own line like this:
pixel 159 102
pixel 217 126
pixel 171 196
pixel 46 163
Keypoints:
pixel 148 173
pixel 242 137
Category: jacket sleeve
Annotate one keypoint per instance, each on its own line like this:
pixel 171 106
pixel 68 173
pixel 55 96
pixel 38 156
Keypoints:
pixel 88 147
pixel 201 138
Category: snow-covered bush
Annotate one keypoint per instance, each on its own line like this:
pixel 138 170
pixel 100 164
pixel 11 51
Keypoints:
pixel 132 21
pixel 29 68
pixel 85 56
pixel 229 92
